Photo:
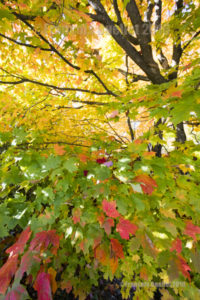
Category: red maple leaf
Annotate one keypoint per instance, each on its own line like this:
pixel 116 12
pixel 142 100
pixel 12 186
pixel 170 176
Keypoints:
pixel 107 225
pixel 76 215
pixel 18 247
pixel 26 263
pixel 101 160
pixel 183 267
pixel 43 239
pixel 42 286
pixel 16 294
pixel 110 208
pixel 7 271
pixel 191 229
pixel 125 227
pixel 147 183
pixel 176 245
pixel 59 150
pixel 117 248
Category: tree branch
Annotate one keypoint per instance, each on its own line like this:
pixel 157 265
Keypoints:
pixel 53 49
pixel 23 80
pixel 123 28
pixel 136 77
pixel 129 126
pixel 24 44
pixel 177 50
pixel 161 57
pixel 152 71
pixel 190 41
pixel 149 11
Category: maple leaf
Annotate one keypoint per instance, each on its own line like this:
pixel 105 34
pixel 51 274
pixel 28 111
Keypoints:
pixel 76 215
pixel 113 262
pixel 183 267
pixel 83 157
pixel 7 271
pixel 143 273
pixel 59 150
pixel 42 286
pixel 66 286
pixel 117 248
pixel 176 245
pixel 147 183
pixel 16 293
pixel 110 208
pixel 18 247
pixel 125 227
pixel 108 224
pixel 101 254
pixel 101 160
pixel 101 218
pixel 44 238
pixel 27 261
pixel 53 274
pixel 113 114
pixel 177 94
pixel 191 230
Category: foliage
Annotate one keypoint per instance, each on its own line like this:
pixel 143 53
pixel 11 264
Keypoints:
pixel 99 172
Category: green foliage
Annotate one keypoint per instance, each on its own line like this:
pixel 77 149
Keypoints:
pixel 82 194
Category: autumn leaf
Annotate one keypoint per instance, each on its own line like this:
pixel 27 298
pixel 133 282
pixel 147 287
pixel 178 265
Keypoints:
pixel 117 248
pixel 17 293
pixel 83 157
pixel 191 230
pixel 76 215
pixel 59 150
pixel 107 225
pixel 113 114
pixel 125 228
pixel 101 160
pixel 110 208
pixel 177 94
pixel 176 245
pixel 42 286
pixel 143 273
pixel 18 247
pixel 101 254
pixel 66 285
pixel 27 261
pixel 147 183
pixel 53 282
pixel 113 262
pixel 44 238
pixel 7 271
pixel 183 267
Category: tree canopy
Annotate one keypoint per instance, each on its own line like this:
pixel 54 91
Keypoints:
pixel 99 146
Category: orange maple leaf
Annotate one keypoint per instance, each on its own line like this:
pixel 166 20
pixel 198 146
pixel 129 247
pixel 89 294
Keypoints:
pixel 59 150
pixel 117 248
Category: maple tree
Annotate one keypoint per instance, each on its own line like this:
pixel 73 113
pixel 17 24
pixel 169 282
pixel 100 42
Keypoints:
pixel 99 145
